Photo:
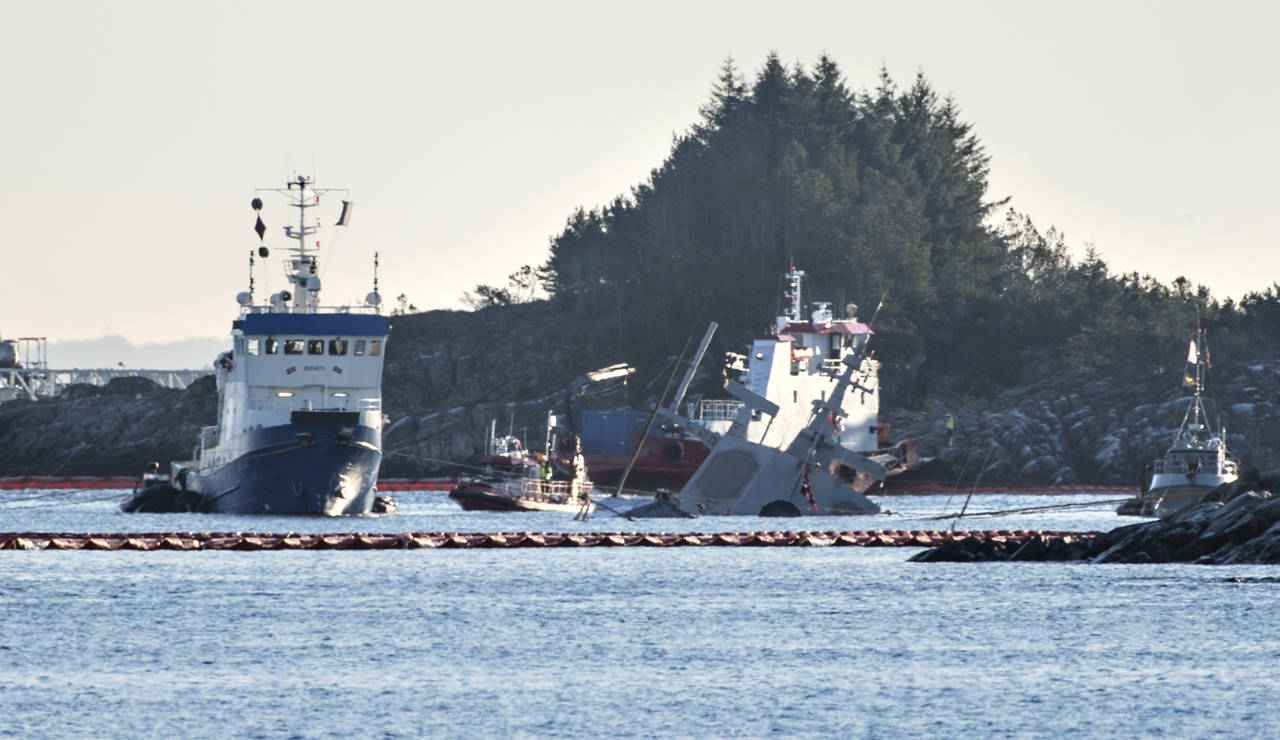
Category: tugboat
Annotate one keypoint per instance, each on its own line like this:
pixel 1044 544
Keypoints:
pixel 794 364
pixel 1197 460
pixel 299 394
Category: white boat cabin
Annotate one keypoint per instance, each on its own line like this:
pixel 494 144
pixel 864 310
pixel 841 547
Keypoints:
pixel 281 363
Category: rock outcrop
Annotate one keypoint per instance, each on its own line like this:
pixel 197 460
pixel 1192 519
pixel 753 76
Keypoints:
pixel 1102 431
pixel 1234 523
pixel 114 429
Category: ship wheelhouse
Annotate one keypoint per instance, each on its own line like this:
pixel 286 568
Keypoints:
pixel 284 364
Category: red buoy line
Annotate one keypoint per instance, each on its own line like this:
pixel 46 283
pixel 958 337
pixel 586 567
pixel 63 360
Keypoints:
pixel 252 541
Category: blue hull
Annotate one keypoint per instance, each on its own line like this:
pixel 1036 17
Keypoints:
pixel 311 468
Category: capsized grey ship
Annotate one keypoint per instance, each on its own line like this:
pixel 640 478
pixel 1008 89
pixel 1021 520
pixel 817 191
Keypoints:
pixel 299 394
pixel 809 472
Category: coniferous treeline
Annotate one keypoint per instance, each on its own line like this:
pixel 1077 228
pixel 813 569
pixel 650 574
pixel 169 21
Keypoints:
pixel 874 193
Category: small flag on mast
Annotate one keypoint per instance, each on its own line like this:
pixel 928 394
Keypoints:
pixel 1192 355
pixel 344 219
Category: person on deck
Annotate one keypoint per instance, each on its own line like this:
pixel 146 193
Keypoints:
pixel 578 486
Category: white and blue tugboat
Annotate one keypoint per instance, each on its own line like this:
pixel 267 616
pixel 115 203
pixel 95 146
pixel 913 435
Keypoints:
pixel 299 395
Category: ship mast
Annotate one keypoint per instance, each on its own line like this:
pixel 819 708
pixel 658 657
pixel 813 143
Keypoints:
pixel 793 310
pixel 302 266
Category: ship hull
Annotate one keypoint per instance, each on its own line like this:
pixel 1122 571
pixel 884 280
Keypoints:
pixel 315 468
pixel 1171 493
pixel 475 499
pixel 667 463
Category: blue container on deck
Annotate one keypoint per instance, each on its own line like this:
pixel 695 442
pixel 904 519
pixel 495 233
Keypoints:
pixel 610 432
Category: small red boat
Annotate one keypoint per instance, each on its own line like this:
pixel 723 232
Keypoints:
pixel 516 480
pixel 524 494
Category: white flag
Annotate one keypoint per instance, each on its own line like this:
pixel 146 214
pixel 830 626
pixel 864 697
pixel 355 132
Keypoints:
pixel 1192 356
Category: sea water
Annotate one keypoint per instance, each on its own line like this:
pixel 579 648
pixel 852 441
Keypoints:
pixel 622 641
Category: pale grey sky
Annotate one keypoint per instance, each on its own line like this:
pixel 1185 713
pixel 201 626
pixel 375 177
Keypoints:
pixel 135 132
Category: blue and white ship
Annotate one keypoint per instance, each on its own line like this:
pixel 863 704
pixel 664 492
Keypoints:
pixel 299 395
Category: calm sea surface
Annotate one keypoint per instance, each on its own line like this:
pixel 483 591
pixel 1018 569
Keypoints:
pixel 608 641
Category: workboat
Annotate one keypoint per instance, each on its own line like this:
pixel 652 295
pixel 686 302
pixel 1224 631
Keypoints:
pixel 790 366
pixel 299 394
pixel 1197 460
pixel 514 479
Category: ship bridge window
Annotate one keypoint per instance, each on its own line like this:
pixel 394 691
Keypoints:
pixel 315 346
pixel 337 346
pixel 254 346
pixel 358 350
pixel 273 346
pixel 293 346
pixel 375 347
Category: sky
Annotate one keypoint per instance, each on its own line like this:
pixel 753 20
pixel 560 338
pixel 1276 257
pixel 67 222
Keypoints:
pixel 135 133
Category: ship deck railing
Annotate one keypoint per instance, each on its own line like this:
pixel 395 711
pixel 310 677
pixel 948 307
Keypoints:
pixel 715 410
pixel 555 491
pixel 347 404
pixel 1181 464
pixel 318 309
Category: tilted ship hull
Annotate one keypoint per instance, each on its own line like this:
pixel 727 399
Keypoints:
pixel 791 368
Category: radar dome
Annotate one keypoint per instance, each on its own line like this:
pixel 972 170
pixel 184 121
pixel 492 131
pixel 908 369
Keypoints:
pixel 313 283
pixel 243 298
pixel 373 299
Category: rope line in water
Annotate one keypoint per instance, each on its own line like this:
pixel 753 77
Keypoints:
pixel 1104 503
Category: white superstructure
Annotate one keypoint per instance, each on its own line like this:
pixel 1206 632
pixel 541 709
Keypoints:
pixel 796 364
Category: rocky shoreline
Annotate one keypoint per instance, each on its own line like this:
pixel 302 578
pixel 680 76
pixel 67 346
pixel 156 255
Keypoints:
pixel 1235 523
